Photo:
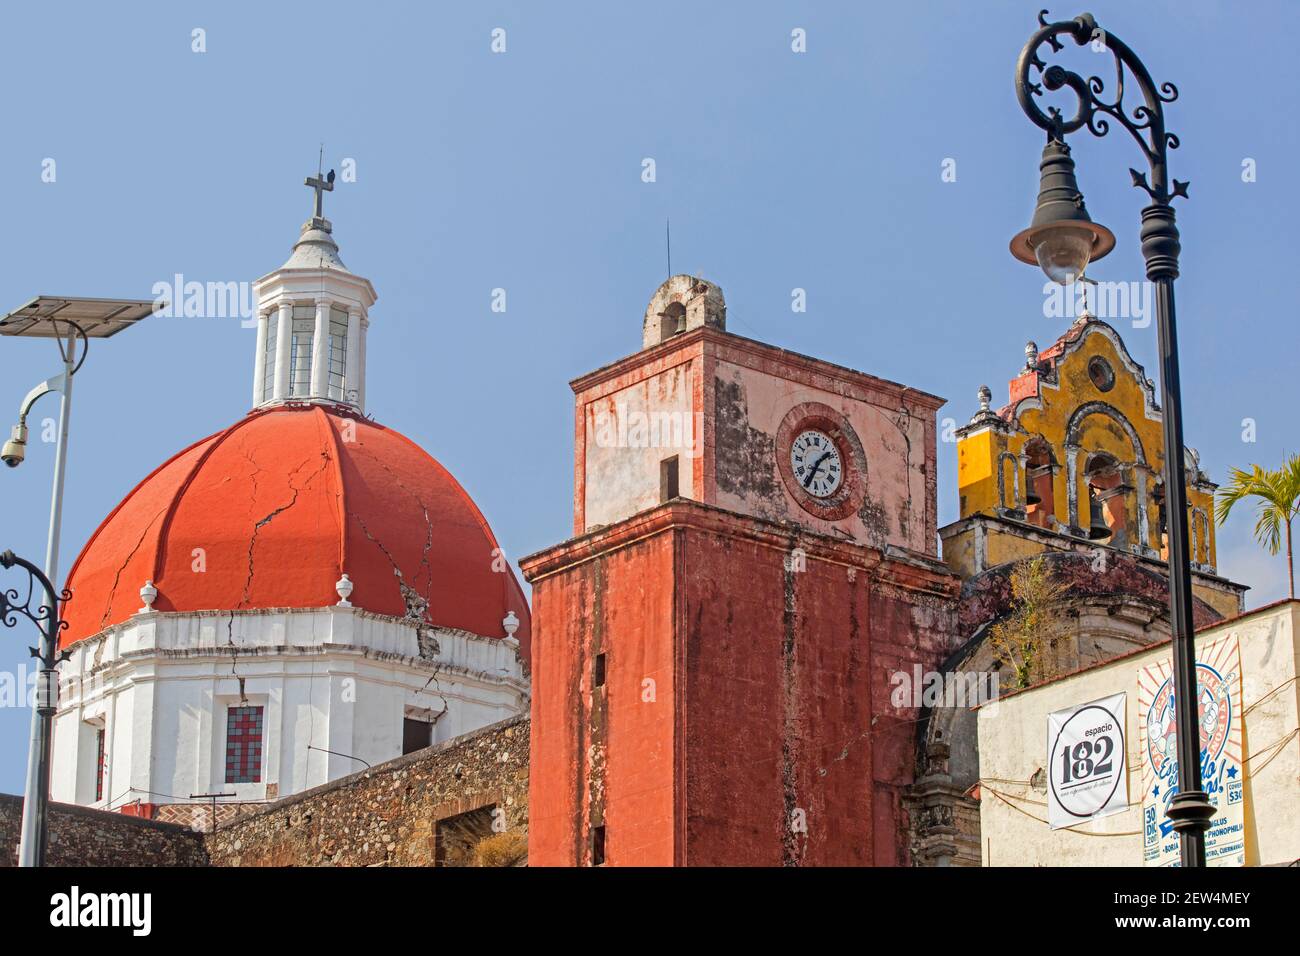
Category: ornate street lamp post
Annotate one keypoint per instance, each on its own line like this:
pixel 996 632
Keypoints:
pixel 46 617
pixel 1063 240
pixel 64 319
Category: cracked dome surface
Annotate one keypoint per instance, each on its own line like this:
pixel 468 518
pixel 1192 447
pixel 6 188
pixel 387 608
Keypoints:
pixel 269 512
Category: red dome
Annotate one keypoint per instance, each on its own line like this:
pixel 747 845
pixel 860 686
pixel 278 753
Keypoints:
pixel 282 503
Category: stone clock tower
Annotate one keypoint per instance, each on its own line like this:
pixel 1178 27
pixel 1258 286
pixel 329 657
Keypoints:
pixel 723 414
pixel 715 650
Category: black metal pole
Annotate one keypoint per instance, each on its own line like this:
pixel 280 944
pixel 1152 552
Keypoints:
pixel 46 686
pixel 1190 809
pixel 46 618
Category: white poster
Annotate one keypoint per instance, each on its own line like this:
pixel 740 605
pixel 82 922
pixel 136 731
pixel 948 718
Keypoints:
pixel 1085 762
pixel 1218 710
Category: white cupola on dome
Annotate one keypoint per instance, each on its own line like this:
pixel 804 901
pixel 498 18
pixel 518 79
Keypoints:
pixel 312 317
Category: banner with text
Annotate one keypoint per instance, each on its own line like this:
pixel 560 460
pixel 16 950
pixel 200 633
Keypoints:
pixel 1218 679
pixel 1086 762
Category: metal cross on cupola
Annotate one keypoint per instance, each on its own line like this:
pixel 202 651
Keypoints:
pixel 321 186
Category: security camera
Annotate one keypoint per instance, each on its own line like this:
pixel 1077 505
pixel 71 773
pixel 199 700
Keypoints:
pixel 15 449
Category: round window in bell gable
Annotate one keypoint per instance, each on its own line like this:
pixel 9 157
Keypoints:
pixel 1101 374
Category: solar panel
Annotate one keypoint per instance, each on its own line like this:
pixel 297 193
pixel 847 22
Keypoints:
pixel 47 316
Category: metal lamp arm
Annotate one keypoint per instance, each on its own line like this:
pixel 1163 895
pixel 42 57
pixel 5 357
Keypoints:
pixel 55 384
pixel 1146 122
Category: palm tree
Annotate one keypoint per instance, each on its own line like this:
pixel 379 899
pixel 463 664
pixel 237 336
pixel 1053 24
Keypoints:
pixel 1279 502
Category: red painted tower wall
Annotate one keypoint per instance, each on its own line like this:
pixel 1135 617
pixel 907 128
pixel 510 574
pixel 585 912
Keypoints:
pixel 620 604
pixel 745 717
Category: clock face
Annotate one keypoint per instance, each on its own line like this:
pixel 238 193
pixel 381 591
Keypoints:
pixel 815 460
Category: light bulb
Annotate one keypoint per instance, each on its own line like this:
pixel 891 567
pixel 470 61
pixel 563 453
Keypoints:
pixel 1063 251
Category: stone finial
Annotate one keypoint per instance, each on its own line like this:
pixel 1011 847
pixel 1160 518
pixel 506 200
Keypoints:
pixel 344 588
pixel 511 624
pixel 148 594
pixel 936 758
pixel 985 416
pixel 1031 355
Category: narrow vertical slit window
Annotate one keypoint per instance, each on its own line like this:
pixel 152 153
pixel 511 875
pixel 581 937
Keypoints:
pixel 598 846
pixel 99 764
pixel 668 479
pixel 598 671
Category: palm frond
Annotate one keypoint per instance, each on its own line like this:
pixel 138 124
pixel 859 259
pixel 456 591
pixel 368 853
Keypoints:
pixel 1268 529
pixel 1277 494
pixel 1241 485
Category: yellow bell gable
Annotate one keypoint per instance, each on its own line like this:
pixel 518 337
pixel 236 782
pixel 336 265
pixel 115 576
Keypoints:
pixel 1079 451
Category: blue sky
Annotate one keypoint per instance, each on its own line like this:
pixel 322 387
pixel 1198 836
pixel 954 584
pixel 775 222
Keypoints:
pixel 522 171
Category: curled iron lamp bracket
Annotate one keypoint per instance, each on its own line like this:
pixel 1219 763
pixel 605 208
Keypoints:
pixel 43 614
pixel 1145 121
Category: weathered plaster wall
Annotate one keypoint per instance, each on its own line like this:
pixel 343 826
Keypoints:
pixel 629 432
pixel 1114 603
pixel 620 604
pixel 1101 615
pixel 79 836
pixel 978 543
pixel 751 403
pixel 337 679
pixel 1012 749
pixel 795 753
pixel 771 738
pixel 388 815
pixel 736 394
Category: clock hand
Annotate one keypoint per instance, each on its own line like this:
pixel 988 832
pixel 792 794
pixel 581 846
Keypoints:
pixel 816 465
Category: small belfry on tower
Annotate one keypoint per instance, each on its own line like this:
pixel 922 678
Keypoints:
pixel 312 318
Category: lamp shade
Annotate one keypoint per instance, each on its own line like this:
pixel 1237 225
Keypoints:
pixel 1062 239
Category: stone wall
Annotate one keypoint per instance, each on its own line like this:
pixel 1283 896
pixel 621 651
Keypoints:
pixel 80 836
pixel 389 815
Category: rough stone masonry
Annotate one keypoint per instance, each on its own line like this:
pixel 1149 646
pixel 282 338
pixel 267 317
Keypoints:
pixel 389 815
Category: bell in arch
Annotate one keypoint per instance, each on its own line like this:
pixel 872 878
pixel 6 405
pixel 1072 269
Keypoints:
pixel 1032 497
pixel 1098 530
